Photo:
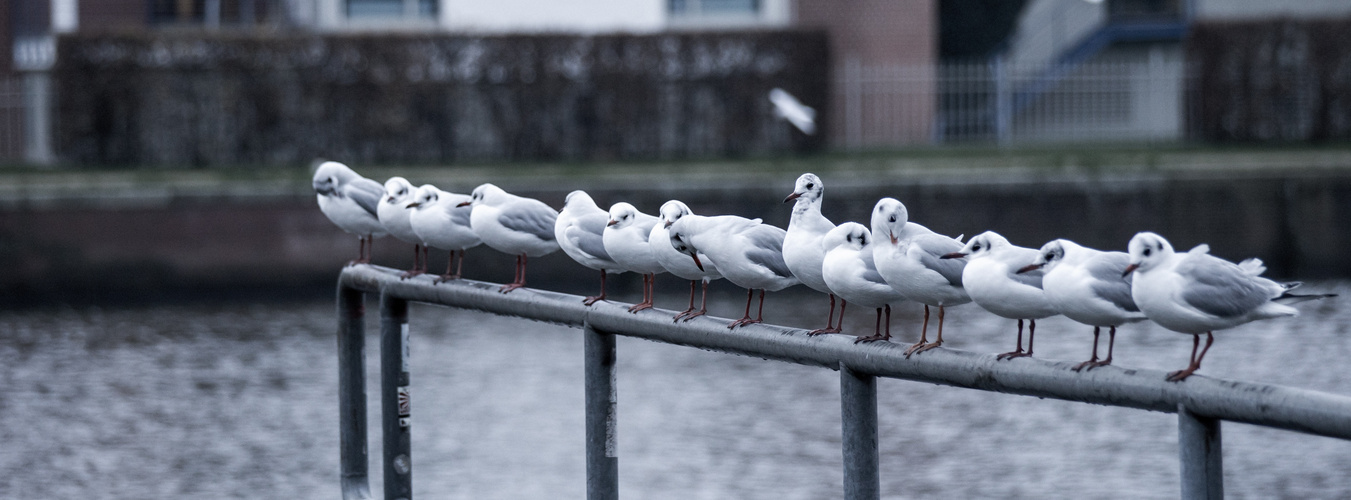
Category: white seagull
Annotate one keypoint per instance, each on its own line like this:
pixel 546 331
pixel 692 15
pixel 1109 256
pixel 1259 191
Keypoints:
pixel 442 223
pixel 678 263
pixel 747 253
pixel 910 257
pixel 1198 293
pixel 1088 286
pixel 580 231
pixel 393 213
pixel 849 271
pixel 513 225
pixel 625 240
pixel 350 200
pixel 789 108
pixel 802 249
pixel 991 278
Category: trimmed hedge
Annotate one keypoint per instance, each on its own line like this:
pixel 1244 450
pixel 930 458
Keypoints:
pixel 220 99
pixel 1271 81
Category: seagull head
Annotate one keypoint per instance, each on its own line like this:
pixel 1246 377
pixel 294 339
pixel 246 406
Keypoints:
pixel 426 195
pixel 808 187
pixel 622 215
pixel 579 199
pixel 1051 254
pixel 485 193
pixel 1147 250
pixel 331 175
pixel 397 190
pixel 981 245
pixel 672 211
pixel 889 219
pixel 851 235
pixel 680 242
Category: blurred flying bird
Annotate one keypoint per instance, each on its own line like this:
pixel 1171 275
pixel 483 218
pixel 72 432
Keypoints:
pixel 789 108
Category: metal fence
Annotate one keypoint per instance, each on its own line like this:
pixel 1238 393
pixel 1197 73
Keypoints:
pixel 1201 403
pixel 12 137
pixel 996 102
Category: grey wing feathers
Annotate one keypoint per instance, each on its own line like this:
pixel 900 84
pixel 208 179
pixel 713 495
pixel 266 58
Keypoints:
pixel 766 249
pixel 588 233
pixel 1108 284
pixel 1220 288
pixel 366 193
pixel 536 219
pixel 870 270
pixel 460 215
pixel 931 249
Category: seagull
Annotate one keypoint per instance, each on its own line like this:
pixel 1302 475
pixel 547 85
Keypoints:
pixel 1088 286
pixel 910 257
pixel 992 280
pixel 393 213
pixel 350 200
pixel 441 222
pixel 677 263
pixel 625 239
pixel 514 225
pixel 789 108
pixel 802 249
pixel 1197 293
pixel 849 271
pixel 747 253
pixel 579 230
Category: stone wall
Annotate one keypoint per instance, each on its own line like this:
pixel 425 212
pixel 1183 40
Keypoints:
pixel 198 99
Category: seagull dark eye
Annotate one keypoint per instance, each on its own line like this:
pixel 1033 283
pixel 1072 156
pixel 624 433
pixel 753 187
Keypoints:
pixel 1050 256
pixel 1146 252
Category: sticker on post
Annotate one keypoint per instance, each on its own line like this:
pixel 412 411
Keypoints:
pixel 405 421
pixel 405 404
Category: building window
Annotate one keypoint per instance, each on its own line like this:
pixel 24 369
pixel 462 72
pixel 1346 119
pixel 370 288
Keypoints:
pixel 713 7
pixel 391 9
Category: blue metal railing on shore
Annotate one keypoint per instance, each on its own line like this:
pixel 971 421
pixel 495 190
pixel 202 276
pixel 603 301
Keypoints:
pixel 1201 403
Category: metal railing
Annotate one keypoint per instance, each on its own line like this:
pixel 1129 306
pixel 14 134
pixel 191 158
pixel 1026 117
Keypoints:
pixel 1201 403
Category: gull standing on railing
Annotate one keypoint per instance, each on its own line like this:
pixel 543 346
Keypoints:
pixel 910 257
pixel 580 231
pixel 747 253
pixel 802 248
pixel 625 240
pixel 992 280
pixel 442 223
pixel 1088 286
pixel 677 263
pixel 393 213
pixel 513 225
pixel 1197 293
pixel 350 200
pixel 849 271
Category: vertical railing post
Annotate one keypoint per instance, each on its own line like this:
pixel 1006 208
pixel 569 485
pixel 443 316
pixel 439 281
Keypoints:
pixel 1198 443
pixel 858 416
pixel 354 466
pixel 602 462
pixel 394 398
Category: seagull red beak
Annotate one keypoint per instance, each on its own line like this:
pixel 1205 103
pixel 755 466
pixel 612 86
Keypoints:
pixel 611 223
pixel 465 204
pixel 696 261
pixel 1129 268
pixel 1030 267
pixel 953 255
pixel 892 236
pixel 792 197
pixel 414 205
pixel 667 224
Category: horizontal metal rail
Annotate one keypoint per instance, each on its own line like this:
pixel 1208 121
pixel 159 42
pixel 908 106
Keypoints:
pixel 1202 401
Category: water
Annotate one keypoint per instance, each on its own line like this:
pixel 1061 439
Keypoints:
pixel 239 400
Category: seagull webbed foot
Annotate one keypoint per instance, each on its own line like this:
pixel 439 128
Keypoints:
pixel 1181 375
pixel 822 331
pixel 921 347
pixel 742 322
pixel 507 288
pixel 640 306
pixel 1013 354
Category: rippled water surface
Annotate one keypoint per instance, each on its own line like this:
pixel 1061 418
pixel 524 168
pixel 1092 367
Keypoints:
pixel 240 400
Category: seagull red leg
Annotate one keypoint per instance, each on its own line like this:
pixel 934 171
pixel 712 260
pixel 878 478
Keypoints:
pixel 691 309
pixel 1097 330
pixel 521 261
pixel 647 294
pixel 830 320
pixel 1181 375
pixel 597 298
pixel 1018 353
pixel 745 320
pixel 703 305
pixel 923 334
